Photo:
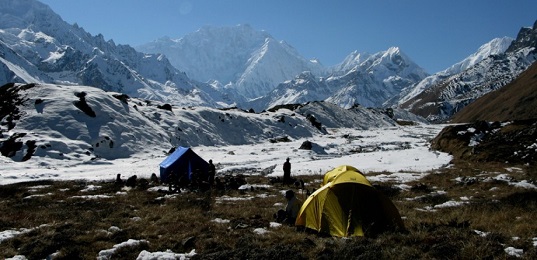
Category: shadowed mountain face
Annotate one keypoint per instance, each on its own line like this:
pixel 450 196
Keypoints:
pixel 515 101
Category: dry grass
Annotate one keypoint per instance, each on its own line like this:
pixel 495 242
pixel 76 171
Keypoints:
pixel 74 227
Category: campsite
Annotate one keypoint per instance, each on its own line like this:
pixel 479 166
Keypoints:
pixel 64 200
pixel 448 207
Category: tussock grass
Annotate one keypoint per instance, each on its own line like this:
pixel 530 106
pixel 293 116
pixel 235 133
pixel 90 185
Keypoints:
pixel 73 220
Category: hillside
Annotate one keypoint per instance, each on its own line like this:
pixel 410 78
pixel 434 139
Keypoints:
pixel 440 101
pixel 516 101
pixel 85 123
pixel 38 46
pixel 493 47
pixel 510 142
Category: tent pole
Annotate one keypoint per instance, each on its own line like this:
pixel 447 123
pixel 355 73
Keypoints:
pixel 349 219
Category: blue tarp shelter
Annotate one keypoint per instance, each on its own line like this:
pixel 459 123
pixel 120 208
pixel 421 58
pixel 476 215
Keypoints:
pixel 183 161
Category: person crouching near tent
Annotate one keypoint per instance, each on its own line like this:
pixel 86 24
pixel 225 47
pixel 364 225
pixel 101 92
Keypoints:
pixel 288 216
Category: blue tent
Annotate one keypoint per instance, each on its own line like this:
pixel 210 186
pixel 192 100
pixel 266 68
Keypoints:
pixel 183 161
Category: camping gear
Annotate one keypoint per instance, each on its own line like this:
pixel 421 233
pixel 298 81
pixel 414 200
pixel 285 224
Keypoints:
pixel 183 162
pixel 348 205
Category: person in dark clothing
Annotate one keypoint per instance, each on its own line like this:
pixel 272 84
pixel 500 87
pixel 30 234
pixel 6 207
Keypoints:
pixel 286 172
pixel 119 181
pixel 211 172
pixel 131 181
pixel 290 213
pixel 172 181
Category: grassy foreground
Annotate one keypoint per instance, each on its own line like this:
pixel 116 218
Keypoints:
pixel 477 216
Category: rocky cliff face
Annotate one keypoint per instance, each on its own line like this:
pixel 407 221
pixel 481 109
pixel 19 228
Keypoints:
pixel 526 37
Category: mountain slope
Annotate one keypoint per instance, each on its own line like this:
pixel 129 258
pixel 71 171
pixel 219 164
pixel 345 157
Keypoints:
pixel 515 101
pixel 85 123
pixel 494 47
pixel 238 64
pixel 440 102
pixel 38 46
pixel 368 80
pixel 249 61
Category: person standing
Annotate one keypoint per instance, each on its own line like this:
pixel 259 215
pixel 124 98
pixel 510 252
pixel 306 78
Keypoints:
pixel 211 172
pixel 286 172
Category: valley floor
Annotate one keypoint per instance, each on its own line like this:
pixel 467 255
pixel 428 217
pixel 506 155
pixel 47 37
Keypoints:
pixel 403 152
pixel 460 210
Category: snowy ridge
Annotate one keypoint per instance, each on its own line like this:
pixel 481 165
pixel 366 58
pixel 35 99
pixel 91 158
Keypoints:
pixel 494 47
pixel 269 73
pixel 242 67
pixel 368 80
pixel 53 122
pixel 38 46
pixel 443 99
pixel 352 60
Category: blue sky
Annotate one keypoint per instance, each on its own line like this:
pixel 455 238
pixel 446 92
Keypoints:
pixel 435 34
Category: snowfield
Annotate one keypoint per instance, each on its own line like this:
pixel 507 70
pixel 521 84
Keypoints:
pixel 401 152
pixel 78 132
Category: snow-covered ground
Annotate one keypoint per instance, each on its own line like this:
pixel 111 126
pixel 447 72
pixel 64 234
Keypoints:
pixel 402 153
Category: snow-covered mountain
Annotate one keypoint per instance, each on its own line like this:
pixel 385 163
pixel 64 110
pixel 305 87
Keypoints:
pixel 269 73
pixel 449 95
pixel 368 80
pixel 36 45
pixel 494 47
pixel 238 57
pixel 240 66
pixel 85 123
pixel 243 67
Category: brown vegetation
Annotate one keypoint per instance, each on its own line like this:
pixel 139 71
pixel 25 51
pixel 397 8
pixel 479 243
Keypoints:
pixel 72 226
pixel 513 142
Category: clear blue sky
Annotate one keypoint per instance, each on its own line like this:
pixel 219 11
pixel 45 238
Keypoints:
pixel 435 34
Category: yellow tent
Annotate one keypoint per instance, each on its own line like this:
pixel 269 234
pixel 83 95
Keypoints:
pixel 329 176
pixel 348 205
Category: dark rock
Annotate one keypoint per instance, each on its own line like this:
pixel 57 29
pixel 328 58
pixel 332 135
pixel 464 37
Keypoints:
pixel 83 105
pixel 282 139
pixel 122 97
pixel 306 145
pixel 31 150
pixel 188 242
pixel 314 121
pixel 165 107
pixel 10 146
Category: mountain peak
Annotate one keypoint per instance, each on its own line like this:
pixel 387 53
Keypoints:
pixel 250 61
pixel 526 38
pixel 25 13
pixel 393 50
